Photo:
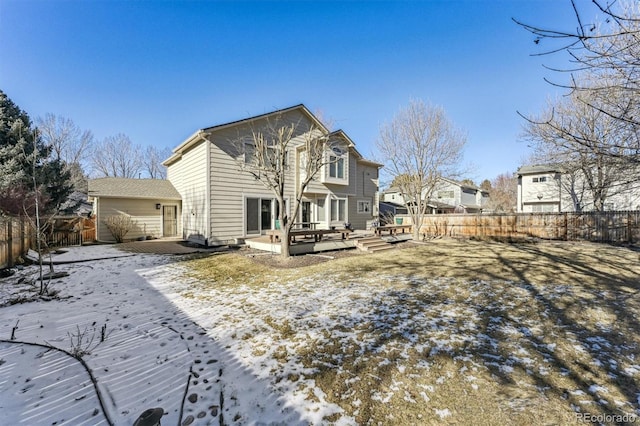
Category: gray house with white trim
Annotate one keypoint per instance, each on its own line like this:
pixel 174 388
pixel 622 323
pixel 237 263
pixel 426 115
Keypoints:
pixel 223 205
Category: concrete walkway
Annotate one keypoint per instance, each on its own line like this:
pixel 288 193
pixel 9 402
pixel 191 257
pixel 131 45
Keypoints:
pixel 110 251
pixel 163 246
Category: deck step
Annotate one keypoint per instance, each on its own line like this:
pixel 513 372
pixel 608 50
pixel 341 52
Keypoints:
pixel 372 244
pixel 379 248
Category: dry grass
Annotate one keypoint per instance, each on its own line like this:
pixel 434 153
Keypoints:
pixel 452 332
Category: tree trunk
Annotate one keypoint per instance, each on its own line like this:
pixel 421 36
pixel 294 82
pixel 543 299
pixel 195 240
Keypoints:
pixel 416 230
pixel 284 244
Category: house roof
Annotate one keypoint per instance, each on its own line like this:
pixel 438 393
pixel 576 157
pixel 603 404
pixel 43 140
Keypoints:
pixel 132 188
pixel 392 204
pixel 202 134
pixel 268 114
pixel 538 168
pixel 461 184
pixel 439 205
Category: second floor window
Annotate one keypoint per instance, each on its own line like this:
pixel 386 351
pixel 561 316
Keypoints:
pixel 445 194
pixel 336 167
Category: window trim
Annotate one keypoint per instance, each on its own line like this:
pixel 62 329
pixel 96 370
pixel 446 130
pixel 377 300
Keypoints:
pixel 362 202
pixel 344 209
pixel 336 165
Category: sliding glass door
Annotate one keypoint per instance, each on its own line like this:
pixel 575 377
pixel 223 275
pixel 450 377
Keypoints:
pixel 259 215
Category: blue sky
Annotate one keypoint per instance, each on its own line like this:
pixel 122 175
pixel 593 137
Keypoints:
pixel 159 70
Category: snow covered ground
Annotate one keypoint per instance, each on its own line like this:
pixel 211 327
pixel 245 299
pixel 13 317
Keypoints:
pixel 151 351
pixel 262 355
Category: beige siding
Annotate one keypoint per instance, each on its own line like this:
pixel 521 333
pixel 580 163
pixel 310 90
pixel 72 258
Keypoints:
pixel 216 210
pixel 230 186
pixel 189 176
pixel 147 219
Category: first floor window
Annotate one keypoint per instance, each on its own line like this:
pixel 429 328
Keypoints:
pixel 544 208
pixel 338 210
pixel 364 206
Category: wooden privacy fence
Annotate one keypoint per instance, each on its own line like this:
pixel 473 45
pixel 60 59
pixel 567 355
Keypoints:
pixel 15 240
pixel 17 236
pixel 66 231
pixel 607 226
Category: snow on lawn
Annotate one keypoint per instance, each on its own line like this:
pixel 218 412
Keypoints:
pixel 150 352
pixel 312 349
pixel 314 341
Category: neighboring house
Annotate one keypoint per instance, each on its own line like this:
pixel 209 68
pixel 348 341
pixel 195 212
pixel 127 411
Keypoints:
pixel 389 208
pixel 548 188
pixel 448 196
pixel 222 205
pixel 77 204
pixel 153 204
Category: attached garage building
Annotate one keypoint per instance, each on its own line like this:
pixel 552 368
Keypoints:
pixel 154 205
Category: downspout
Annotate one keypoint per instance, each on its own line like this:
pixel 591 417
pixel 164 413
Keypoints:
pixel 207 202
pixel 559 180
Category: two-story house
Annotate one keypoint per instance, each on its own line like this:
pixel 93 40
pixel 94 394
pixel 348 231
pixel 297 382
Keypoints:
pixel 448 196
pixel 550 188
pixel 222 204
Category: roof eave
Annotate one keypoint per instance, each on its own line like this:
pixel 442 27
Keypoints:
pixel 136 197
pixel 302 107
pixel 188 143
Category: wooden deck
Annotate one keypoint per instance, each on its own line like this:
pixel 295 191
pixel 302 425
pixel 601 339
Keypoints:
pixel 304 245
pixel 393 229
pixel 329 242
pixel 316 234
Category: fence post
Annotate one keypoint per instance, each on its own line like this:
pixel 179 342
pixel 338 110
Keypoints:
pixel 566 227
pixel 9 225
pixel 629 229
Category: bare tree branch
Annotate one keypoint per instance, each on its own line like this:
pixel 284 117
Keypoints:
pixel 283 155
pixel 418 147
pixel 117 156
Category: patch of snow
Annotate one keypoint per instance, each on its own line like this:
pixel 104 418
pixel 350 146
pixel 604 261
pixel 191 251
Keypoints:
pixel 598 389
pixel 428 388
pixel 443 413
pixel 632 370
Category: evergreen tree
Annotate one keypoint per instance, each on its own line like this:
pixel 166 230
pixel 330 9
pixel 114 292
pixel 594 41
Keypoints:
pixel 18 144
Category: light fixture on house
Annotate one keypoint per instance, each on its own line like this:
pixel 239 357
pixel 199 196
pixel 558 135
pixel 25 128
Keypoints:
pixel 157 206
pixel 539 196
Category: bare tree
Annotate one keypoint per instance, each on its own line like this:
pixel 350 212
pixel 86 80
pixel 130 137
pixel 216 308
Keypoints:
pixel 152 162
pixel 68 144
pixel 604 53
pixel 418 147
pixel 117 156
pixel 589 144
pixel 67 141
pixel 503 192
pixel 267 157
